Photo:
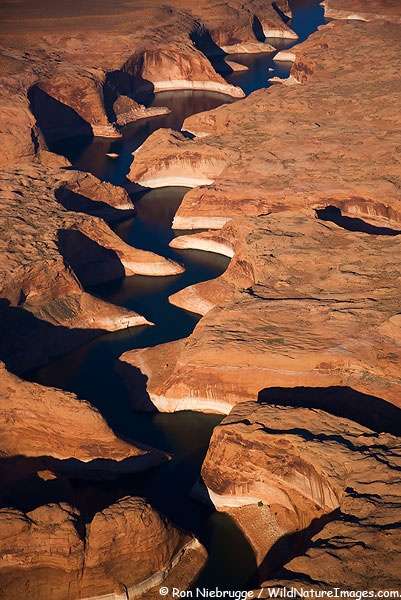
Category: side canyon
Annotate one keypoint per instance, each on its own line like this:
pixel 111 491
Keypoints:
pixel 200 314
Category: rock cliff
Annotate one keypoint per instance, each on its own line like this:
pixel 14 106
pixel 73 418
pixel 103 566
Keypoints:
pixel 296 478
pixel 127 550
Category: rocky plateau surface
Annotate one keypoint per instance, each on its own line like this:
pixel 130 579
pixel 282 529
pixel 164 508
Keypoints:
pixel 293 477
pixel 364 10
pixel 51 251
pixel 283 314
pixel 299 184
pixel 56 69
pixel 298 136
pixel 126 551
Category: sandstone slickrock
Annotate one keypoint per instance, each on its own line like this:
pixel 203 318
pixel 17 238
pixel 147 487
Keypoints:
pixel 63 431
pixel 49 255
pixel 175 164
pixel 70 103
pixel 277 470
pixel 175 67
pixel 54 57
pixel 85 192
pixel 303 302
pixel 365 10
pixel 283 138
pixel 127 550
pixel 126 111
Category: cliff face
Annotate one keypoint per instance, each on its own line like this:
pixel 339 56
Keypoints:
pixel 50 254
pixel 126 550
pixel 42 422
pixel 303 302
pixel 175 164
pixel 302 129
pixel 281 470
pixel 176 66
pixel 58 75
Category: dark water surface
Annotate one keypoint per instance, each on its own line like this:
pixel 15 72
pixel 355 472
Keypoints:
pixel 92 370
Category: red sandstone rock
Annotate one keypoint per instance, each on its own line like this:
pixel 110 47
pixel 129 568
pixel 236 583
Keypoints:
pixel 365 10
pixel 175 164
pixel 163 71
pixel 92 188
pixel 283 138
pixel 276 469
pixel 36 421
pixel 48 256
pixel 58 60
pixel 127 549
pixel 77 95
pixel 303 303
pixel 127 111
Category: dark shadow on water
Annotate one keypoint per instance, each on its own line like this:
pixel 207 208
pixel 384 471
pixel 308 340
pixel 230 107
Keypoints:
pixel 91 262
pixel 56 120
pixel 369 411
pixel 94 373
pixel 333 214
pixel 91 155
pixel 27 341
pixel 78 203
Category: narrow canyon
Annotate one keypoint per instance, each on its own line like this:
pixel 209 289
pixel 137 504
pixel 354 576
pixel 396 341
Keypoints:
pixel 200 312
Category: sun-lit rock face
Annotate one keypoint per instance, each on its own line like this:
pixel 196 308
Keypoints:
pixel 126 550
pixel 159 70
pixel 303 302
pixel 70 82
pixel 285 137
pixel 175 164
pixel 57 425
pixel 70 103
pixel 49 255
pixel 364 10
pixel 127 111
pixel 277 470
pixel 86 193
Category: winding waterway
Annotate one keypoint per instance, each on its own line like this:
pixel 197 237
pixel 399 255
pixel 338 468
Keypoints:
pixel 91 370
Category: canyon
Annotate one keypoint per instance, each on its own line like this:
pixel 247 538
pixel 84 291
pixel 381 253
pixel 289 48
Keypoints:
pixel 199 309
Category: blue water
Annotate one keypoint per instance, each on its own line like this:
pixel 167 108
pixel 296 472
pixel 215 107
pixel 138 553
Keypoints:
pixel 92 370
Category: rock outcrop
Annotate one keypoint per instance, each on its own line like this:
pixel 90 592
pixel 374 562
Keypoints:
pixel 175 164
pixel 50 255
pixel 364 10
pixel 64 433
pixel 85 193
pixel 158 70
pixel 126 111
pixel 297 136
pixel 297 477
pixel 70 103
pixel 127 550
pixel 285 313
pixel 57 74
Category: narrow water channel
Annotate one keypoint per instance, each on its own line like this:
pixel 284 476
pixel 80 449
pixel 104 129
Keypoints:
pixel 91 370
